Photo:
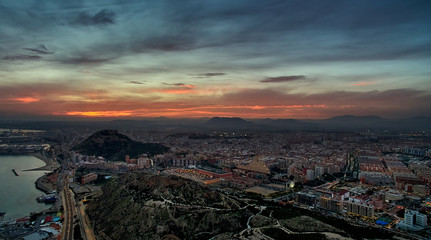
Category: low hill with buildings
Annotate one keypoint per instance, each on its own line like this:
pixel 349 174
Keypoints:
pixel 140 206
pixel 114 146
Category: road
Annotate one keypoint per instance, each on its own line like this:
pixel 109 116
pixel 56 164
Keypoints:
pixel 85 222
pixel 69 210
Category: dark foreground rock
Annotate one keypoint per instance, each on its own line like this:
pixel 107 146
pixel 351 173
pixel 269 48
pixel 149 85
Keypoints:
pixel 139 206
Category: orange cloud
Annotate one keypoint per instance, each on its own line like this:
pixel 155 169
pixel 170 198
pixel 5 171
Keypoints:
pixel 26 99
pixel 187 86
pixel 98 113
pixel 175 91
pixel 184 110
pixel 362 83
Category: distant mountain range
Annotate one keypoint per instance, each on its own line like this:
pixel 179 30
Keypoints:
pixel 346 122
pixel 374 122
pixel 115 146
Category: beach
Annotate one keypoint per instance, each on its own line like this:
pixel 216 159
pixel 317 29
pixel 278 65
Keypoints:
pixel 51 164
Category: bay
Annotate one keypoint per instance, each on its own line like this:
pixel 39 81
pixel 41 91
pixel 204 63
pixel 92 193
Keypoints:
pixel 18 193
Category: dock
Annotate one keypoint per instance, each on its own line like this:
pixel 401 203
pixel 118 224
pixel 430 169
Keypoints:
pixel 15 172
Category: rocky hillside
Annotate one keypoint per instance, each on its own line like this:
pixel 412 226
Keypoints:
pixel 115 146
pixel 139 206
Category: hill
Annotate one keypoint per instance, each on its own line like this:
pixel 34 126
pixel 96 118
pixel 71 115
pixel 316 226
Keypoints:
pixel 139 206
pixel 114 146
pixel 229 123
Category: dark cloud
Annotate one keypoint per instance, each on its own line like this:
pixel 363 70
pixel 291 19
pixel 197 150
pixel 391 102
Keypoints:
pixel 135 82
pixel 103 17
pixel 211 74
pixel 21 57
pixel 40 49
pixel 269 28
pixel 174 84
pixel 283 79
pixel 183 85
pixel 85 60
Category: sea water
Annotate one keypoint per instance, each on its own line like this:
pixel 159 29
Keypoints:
pixel 18 193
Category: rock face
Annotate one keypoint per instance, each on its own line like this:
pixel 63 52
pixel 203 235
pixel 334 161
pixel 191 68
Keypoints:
pixel 115 146
pixel 139 206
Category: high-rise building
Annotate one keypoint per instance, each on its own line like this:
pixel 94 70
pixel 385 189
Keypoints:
pixel 359 208
pixel 329 204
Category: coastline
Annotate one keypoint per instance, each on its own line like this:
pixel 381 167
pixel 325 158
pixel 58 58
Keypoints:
pixel 42 183
pixel 50 165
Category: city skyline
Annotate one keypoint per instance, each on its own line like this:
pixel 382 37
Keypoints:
pixel 192 59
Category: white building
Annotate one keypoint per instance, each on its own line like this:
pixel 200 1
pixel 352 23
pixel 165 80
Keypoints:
pixel 413 220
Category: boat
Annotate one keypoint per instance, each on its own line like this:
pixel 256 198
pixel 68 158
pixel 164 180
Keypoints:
pixel 48 198
pixel 51 199
pixel 15 172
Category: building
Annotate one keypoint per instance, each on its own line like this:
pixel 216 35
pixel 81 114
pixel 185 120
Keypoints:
pixel 215 173
pixel 256 166
pixel 88 178
pixel 144 162
pixel 310 175
pixel 306 198
pixel 359 208
pixel 319 171
pixel 329 204
pixel 183 162
pixel 413 221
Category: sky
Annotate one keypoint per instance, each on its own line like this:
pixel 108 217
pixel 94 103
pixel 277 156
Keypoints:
pixel 191 59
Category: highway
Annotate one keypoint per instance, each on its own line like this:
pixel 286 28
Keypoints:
pixel 69 210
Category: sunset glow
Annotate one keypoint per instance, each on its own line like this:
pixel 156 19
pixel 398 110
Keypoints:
pixel 26 99
pixel 214 58
pixel 99 114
